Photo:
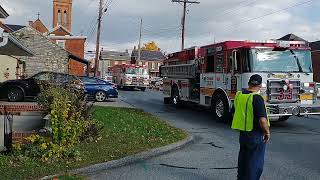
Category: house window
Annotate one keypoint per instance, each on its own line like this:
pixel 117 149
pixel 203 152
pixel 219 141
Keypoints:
pixel 140 63
pixel 116 63
pixel 59 17
pixel 61 43
pixel 153 65
pixel 65 19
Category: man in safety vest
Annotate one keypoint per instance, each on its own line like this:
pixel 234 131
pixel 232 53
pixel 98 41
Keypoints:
pixel 251 119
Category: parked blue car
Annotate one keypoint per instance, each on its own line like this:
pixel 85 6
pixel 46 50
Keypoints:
pixel 99 89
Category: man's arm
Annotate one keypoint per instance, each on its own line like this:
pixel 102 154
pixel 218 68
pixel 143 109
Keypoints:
pixel 265 128
pixel 261 114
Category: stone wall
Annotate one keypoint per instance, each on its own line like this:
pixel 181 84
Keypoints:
pixel 48 56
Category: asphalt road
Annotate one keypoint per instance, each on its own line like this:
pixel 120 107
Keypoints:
pixel 293 152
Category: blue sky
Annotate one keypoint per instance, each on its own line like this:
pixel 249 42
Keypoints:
pixel 207 22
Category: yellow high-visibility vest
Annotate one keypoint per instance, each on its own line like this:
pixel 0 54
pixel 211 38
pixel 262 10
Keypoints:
pixel 243 116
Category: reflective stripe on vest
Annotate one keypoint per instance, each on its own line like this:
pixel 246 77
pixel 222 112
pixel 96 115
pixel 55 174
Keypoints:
pixel 243 117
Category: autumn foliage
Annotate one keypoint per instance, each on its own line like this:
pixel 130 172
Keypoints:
pixel 151 46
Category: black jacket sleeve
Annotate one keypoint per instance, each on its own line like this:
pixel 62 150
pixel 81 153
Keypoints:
pixel 259 108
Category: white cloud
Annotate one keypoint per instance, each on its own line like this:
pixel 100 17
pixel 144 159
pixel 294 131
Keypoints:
pixel 219 20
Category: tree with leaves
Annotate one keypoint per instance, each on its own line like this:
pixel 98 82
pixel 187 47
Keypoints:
pixel 151 46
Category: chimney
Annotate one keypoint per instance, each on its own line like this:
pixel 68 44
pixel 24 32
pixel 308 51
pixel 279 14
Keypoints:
pixel 30 23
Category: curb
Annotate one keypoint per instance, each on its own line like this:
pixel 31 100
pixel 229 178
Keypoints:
pixel 130 159
pixel 316 117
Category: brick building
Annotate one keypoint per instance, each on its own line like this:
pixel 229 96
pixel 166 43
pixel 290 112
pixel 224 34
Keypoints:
pixel 315 54
pixel 39 26
pixel 62 13
pixel 61 34
pixel 73 44
pixel 152 59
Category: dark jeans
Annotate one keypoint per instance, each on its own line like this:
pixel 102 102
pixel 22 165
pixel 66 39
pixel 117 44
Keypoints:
pixel 251 155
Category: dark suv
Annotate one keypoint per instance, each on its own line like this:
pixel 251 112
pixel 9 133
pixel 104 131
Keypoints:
pixel 21 89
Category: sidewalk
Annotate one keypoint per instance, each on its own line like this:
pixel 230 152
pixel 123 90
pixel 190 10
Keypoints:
pixel 114 103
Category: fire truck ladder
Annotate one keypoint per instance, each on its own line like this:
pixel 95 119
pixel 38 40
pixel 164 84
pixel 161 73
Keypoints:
pixel 179 71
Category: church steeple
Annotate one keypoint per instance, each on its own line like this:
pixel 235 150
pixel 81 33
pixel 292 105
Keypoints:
pixel 62 13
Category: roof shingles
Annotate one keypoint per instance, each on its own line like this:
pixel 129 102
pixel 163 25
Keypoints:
pixel 148 55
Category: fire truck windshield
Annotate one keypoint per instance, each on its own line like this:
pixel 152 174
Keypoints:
pixel 266 60
pixel 131 70
pixel 143 71
pixel 137 71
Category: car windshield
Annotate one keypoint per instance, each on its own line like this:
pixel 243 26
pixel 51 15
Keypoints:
pixel 265 60
pixel 88 80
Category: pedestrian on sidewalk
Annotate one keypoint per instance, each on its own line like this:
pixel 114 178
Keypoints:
pixel 251 119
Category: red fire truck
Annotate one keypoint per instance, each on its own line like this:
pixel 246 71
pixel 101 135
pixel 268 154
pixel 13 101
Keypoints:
pixel 211 75
pixel 130 76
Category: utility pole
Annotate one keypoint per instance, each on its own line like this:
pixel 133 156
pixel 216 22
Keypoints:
pixel 183 22
pixel 139 46
pixel 96 62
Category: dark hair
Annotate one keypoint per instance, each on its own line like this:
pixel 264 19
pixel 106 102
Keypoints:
pixel 255 80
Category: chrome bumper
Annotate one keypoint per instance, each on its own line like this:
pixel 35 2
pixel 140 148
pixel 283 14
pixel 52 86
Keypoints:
pixel 278 110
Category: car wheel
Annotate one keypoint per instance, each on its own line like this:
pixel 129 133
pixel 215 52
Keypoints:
pixel 100 96
pixel 15 95
pixel 220 108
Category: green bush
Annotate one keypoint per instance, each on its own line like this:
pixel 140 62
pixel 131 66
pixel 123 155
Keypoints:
pixel 70 121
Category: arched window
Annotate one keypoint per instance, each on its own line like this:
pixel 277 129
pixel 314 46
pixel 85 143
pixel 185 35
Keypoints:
pixel 65 18
pixel 59 17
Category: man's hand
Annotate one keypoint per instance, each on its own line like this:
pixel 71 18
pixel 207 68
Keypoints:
pixel 265 128
pixel 266 137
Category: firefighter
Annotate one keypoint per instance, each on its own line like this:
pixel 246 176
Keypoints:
pixel 250 118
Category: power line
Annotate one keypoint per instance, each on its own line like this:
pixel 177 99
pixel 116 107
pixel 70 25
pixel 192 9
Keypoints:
pixel 232 10
pixel 183 22
pixel 162 33
pixel 268 14
pixel 93 23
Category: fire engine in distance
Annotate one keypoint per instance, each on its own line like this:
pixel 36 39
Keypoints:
pixel 130 76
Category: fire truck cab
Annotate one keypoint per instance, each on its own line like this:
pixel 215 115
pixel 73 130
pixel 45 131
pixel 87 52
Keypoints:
pixel 130 76
pixel 211 75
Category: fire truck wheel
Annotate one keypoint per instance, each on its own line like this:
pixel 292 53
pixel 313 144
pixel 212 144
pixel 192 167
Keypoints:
pixel 175 96
pixel 100 96
pixel 220 108
pixel 143 89
pixel 121 85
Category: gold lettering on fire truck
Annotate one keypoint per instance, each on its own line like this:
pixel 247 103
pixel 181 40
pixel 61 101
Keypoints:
pixel 283 76
pixel 233 84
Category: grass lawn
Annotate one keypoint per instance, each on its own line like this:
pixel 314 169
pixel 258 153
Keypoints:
pixel 126 132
